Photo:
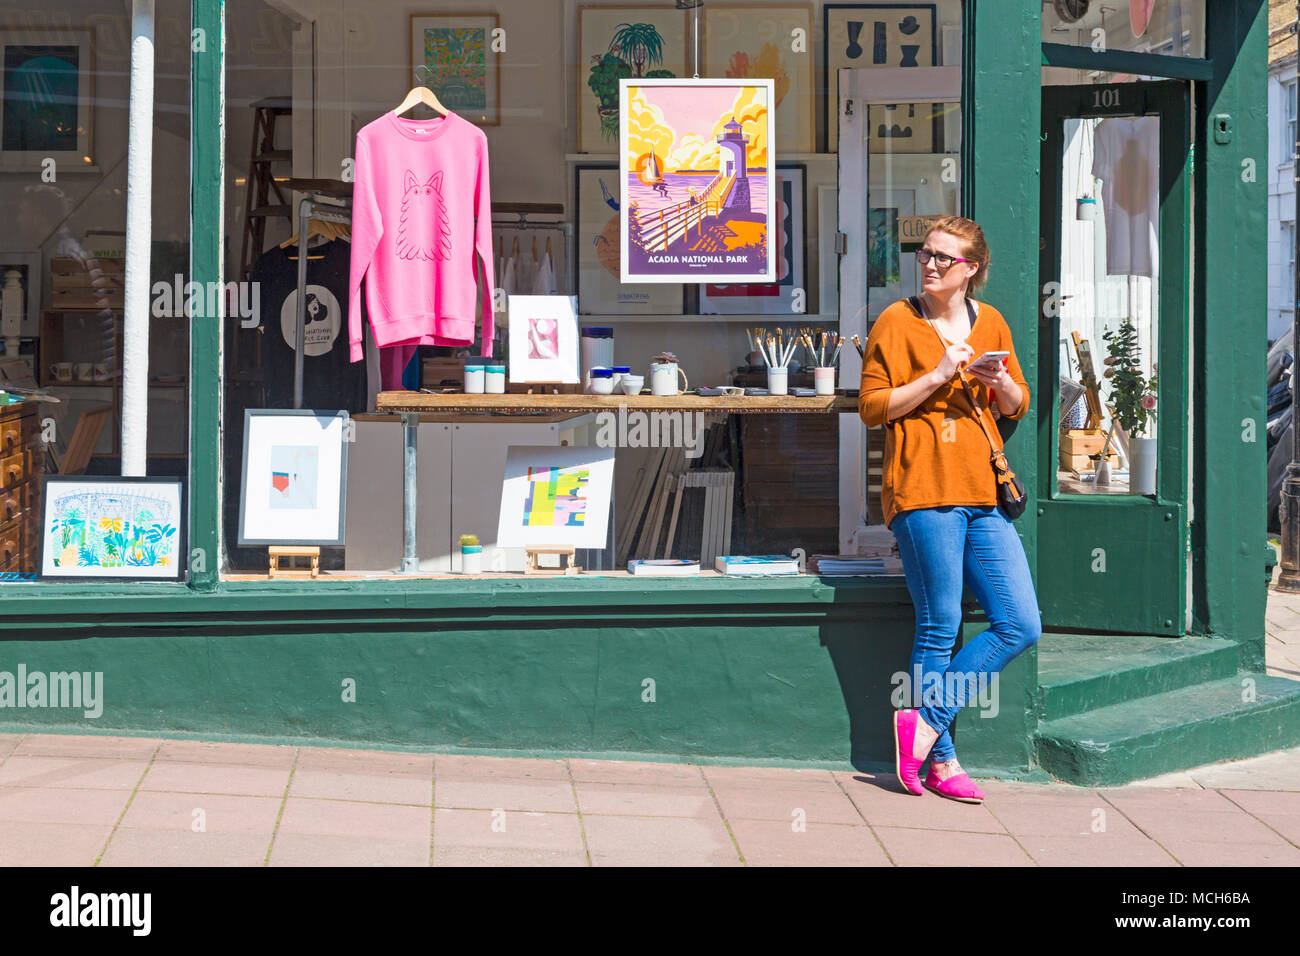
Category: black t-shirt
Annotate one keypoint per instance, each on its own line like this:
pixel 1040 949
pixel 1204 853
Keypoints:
pixel 329 379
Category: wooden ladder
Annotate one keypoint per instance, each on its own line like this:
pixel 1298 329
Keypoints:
pixel 258 206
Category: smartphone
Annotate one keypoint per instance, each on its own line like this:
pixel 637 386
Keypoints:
pixel 991 361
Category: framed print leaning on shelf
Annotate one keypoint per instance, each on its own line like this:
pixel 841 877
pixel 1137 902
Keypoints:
pixel 697 181
pixel 543 339
pixel 754 41
pixel 614 43
pixel 45 98
pixel 113 528
pixel 880 36
pixel 460 64
pixel 788 295
pixel 295 477
pixel 596 262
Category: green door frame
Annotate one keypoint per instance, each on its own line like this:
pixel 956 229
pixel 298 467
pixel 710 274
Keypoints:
pixel 1118 562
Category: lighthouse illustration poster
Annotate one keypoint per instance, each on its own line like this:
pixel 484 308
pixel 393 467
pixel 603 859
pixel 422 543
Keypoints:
pixel 696 170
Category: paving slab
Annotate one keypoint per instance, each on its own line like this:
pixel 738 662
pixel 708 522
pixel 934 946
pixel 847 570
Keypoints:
pixel 368 787
pixel 808 805
pixel 371 821
pixel 659 841
pixel 507 830
pixel 181 848
pixel 220 752
pixel 635 800
pixel 505 793
pixel 203 813
pixel 475 767
pixel 258 780
pixel 75 772
pixel 939 847
pixel 51 844
pixel 56 805
pixel 310 849
pixel 638 772
pixel 57 745
pixel 772 843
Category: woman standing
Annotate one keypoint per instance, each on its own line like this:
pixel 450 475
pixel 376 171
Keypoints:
pixel 939 492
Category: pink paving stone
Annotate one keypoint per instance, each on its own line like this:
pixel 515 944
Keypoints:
pixel 380 787
pixel 49 805
pixel 506 856
pixel 523 830
pixel 372 821
pixel 207 751
pixel 1192 853
pixel 769 843
pixel 928 811
pixel 659 841
pixel 51 844
pixel 216 778
pixel 646 774
pixel 505 793
pixel 1098 849
pixel 306 849
pixel 363 761
pixel 634 800
pixel 71 772
pixel 817 806
pixel 1202 826
pixel 182 848
pixel 8 742
pixel 937 847
pixel 58 745
pixel 221 813
pixel 1286 824
pixel 777 778
pixel 464 767
pixel 1265 801
pixel 1183 798
pixel 1068 819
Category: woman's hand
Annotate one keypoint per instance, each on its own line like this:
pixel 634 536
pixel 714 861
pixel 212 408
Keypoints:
pixel 996 380
pixel 954 357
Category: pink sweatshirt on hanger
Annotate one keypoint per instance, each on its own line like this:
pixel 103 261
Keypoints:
pixel 421 232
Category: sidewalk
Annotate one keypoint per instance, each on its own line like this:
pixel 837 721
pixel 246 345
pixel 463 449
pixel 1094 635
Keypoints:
pixel 115 801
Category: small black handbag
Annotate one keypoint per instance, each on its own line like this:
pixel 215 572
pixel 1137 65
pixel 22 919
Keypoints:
pixel 1011 490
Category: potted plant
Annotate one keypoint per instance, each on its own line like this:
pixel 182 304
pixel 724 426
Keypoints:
pixel 1135 404
pixel 663 374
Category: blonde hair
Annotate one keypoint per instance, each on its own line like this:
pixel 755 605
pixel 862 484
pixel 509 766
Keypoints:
pixel 972 237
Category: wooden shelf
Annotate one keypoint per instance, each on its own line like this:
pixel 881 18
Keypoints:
pixel 516 404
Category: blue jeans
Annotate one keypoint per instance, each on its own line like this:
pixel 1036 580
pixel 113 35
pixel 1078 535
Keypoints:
pixel 943 549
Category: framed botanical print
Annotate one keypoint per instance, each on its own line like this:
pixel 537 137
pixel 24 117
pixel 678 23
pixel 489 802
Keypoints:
pixel 596 260
pixel 45 98
pixel 758 41
pixel 454 55
pixel 617 42
pixel 788 295
pixel 112 528
pixel 881 36
pixel 295 477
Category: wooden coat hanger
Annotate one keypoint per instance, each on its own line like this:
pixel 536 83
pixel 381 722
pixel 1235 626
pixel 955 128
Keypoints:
pixel 548 245
pixel 421 94
pixel 514 252
pixel 325 229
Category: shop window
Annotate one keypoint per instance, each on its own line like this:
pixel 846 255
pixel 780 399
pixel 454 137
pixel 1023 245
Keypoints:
pixel 90 388
pixel 693 478
pixel 1170 27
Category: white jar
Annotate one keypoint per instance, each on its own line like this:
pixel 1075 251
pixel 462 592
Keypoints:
pixel 474 379
pixel 495 377
pixel 824 380
pixel 776 381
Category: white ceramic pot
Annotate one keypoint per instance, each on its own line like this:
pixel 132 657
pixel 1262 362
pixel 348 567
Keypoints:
pixel 776 381
pixel 663 378
pixel 1142 466
pixel 824 380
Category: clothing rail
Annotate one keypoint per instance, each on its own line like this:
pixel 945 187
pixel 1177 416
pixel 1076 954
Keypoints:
pixel 330 209
pixel 522 224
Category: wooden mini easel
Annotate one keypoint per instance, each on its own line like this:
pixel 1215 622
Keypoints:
pixel 532 566
pixel 276 553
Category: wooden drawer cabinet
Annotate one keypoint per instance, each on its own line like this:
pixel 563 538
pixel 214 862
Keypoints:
pixel 21 458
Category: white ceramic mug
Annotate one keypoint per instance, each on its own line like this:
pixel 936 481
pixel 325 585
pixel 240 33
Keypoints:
pixel 776 381
pixel 102 372
pixel 663 378
pixel 82 371
pixel 824 380
pixel 632 384
pixel 61 371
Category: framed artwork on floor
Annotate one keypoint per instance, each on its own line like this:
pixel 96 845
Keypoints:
pixel 556 496
pixel 614 43
pixel 788 295
pixel 453 55
pixel 596 260
pixel 881 36
pixel 753 41
pixel 45 98
pixel 112 528
pixel 294 477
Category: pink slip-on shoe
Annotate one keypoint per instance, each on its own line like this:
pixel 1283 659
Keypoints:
pixel 957 787
pixel 905 765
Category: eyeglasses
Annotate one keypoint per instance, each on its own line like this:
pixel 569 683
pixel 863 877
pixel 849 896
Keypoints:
pixel 941 259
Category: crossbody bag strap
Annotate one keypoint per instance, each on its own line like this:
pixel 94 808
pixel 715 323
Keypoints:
pixel 915 302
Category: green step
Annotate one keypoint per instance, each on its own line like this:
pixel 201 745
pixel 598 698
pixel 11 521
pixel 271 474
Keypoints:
pixel 1081 672
pixel 1176 730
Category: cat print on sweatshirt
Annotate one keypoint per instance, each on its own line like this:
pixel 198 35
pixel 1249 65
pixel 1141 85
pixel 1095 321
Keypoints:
pixel 424 232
